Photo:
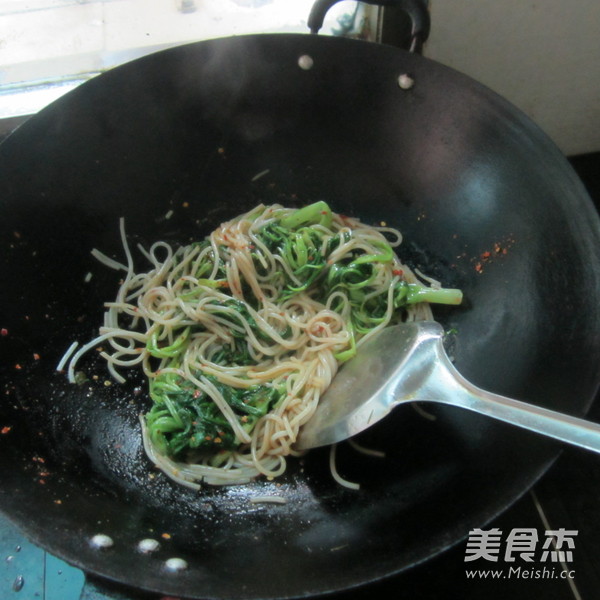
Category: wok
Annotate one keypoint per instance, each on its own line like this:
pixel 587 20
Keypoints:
pixel 173 143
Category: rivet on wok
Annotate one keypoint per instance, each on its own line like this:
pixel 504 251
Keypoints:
pixel 405 81
pixel 306 62
pixel 176 564
pixel 101 541
pixel 148 545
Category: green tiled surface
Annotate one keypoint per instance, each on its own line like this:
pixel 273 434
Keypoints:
pixel 30 573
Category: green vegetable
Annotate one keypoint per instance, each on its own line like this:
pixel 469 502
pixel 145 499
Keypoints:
pixel 412 293
pixel 167 351
pixel 351 352
pixel 184 419
pixel 318 213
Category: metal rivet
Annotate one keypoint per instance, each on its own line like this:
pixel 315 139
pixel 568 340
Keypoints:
pixel 148 545
pixel 101 541
pixel 405 81
pixel 306 62
pixel 176 564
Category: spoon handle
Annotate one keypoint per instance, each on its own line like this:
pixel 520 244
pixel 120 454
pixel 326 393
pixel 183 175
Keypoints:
pixel 447 385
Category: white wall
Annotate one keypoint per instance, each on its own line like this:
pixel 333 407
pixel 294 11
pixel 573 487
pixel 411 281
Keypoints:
pixel 542 55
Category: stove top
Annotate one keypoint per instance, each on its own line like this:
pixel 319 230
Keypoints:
pixel 565 499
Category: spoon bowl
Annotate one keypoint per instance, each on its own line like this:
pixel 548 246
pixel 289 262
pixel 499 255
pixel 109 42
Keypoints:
pixel 408 363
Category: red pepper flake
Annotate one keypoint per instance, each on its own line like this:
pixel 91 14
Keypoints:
pixel 36 356
pixel 4 332
pixel 398 272
pixel 42 482
pixel 58 502
pixel 5 430
pixel 498 249
pixel 165 536
pixel 18 367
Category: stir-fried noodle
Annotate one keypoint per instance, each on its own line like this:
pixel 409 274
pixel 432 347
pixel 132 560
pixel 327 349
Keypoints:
pixel 240 334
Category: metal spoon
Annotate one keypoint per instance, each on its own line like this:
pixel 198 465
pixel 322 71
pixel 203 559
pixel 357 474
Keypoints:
pixel 407 363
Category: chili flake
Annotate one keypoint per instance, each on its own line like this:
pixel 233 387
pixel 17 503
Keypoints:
pixel 5 430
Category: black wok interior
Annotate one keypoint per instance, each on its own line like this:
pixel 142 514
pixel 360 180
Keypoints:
pixel 457 169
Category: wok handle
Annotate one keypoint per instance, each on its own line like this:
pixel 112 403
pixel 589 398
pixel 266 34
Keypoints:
pixel 448 386
pixel 415 9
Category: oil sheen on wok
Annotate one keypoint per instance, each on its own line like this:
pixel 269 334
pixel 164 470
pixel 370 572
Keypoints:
pixel 240 334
